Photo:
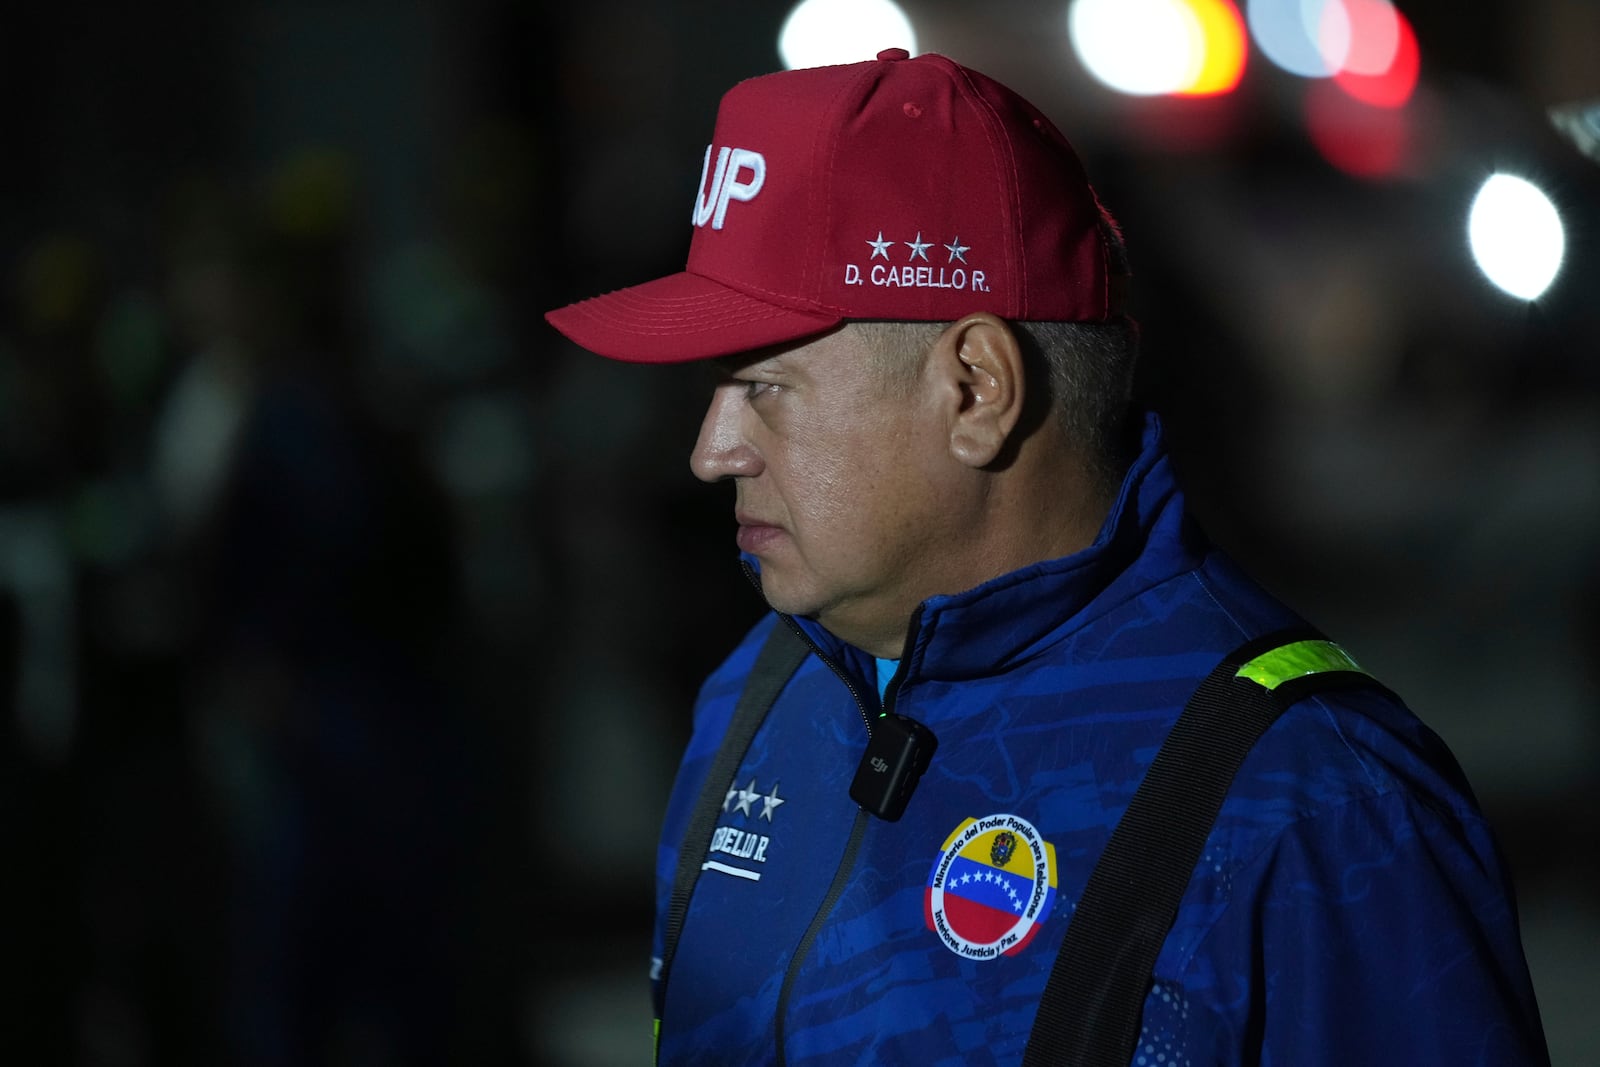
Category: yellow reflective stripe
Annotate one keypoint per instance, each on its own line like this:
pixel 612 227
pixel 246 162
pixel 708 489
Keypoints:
pixel 655 1056
pixel 1272 669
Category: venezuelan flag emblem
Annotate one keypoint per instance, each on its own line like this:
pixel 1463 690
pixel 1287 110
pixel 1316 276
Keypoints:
pixel 992 884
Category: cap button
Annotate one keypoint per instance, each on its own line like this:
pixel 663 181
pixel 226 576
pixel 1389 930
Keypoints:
pixel 890 54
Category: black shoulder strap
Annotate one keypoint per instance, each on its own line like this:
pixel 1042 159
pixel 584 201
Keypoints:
pixel 1092 1003
pixel 780 656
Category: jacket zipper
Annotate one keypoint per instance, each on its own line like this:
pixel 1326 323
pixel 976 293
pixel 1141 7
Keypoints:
pixel 858 829
pixel 847 861
pixel 847 864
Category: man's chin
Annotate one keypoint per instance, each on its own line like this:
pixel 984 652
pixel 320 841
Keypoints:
pixel 789 605
pixel 782 597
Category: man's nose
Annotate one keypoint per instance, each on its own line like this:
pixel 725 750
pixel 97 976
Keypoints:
pixel 721 450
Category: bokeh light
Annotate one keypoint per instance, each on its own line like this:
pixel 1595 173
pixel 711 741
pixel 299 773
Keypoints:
pixel 1362 140
pixel 1157 47
pixel 820 32
pixel 1288 31
pixel 1516 236
pixel 1223 62
pixel 1361 36
pixel 1383 62
pixel 1366 46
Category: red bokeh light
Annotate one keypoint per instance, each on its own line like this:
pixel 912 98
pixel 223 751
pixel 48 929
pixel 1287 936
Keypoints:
pixel 1360 139
pixel 1393 86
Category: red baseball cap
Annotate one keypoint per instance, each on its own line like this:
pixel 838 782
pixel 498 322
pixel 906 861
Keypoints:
pixel 899 188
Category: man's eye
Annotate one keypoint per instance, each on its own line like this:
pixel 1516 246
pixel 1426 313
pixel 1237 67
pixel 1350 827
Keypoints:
pixel 753 389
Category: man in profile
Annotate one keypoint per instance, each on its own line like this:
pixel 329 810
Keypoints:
pixel 990 612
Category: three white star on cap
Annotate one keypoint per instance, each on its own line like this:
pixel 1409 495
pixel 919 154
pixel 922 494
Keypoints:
pixel 919 248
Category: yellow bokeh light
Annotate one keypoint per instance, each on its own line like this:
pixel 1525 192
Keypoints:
pixel 1223 48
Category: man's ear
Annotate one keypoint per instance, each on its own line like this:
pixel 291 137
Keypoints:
pixel 981 361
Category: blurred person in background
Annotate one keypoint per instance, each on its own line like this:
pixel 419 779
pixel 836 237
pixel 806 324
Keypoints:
pixel 330 745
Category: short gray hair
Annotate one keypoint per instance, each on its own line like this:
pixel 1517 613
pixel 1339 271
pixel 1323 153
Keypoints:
pixel 1086 370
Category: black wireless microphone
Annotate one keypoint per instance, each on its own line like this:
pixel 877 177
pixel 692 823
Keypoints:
pixel 895 759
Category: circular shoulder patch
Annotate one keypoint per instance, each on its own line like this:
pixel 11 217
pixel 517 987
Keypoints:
pixel 992 884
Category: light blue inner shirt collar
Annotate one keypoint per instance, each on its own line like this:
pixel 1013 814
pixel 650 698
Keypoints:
pixel 886 669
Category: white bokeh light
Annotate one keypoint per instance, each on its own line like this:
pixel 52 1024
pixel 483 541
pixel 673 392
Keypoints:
pixel 1287 33
pixel 1516 236
pixel 821 32
pixel 1320 38
pixel 1140 47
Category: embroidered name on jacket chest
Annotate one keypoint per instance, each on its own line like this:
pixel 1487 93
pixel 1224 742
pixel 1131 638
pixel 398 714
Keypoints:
pixel 740 849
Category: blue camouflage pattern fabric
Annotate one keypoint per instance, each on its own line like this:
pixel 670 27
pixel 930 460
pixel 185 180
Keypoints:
pixel 1349 908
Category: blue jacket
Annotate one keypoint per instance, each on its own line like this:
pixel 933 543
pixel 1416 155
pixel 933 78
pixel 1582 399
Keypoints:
pixel 1349 907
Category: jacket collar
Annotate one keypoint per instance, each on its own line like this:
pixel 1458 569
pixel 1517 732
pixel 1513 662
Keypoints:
pixel 1145 539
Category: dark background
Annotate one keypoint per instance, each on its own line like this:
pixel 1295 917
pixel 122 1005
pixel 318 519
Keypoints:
pixel 349 618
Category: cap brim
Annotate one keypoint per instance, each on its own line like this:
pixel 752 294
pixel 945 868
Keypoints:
pixel 679 318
